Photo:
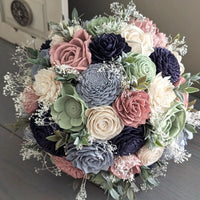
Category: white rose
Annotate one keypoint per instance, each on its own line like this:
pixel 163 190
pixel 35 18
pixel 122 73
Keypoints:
pixel 149 156
pixel 103 122
pixel 161 94
pixel 139 41
pixel 46 87
pixel 56 39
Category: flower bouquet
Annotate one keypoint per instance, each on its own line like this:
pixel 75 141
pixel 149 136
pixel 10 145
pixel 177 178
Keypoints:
pixel 105 100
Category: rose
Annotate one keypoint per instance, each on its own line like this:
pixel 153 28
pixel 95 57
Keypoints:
pixel 149 156
pixel 166 63
pixel 139 65
pixel 99 85
pixel 29 100
pixel 169 125
pixel 126 167
pixel 133 107
pixel 74 53
pixel 91 159
pixel 159 39
pixel 67 167
pixel 129 141
pixel 46 87
pixel 107 47
pixel 103 122
pixel 161 94
pixel 139 41
pixel 68 110
pixel 41 132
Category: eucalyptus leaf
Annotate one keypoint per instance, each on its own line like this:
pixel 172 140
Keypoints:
pixel 114 194
pixel 75 14
pixel 190 128
pixel 130 194
pixel 191 90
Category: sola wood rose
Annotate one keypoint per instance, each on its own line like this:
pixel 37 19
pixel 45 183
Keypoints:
pixel 103 122
pixel 74 53
pixel 133 107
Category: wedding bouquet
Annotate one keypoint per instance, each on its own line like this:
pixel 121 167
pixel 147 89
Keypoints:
pixel 105 100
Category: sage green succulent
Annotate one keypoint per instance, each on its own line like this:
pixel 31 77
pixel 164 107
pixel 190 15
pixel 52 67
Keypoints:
pixel 100 25
pixel 139 65
pixel 68 111
pixel 170 124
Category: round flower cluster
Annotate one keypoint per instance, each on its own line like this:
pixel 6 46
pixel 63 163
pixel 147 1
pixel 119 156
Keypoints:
pixel 107 99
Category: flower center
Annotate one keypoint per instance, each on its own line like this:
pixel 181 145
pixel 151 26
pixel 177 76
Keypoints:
pixel 73 108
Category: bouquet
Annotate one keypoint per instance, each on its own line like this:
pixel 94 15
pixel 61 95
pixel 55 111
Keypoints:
pixel 105 101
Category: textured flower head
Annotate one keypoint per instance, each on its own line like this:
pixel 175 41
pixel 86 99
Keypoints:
pixel 91 159
pixel 74 53
pixel 166 63
pixel 139 65
pixel 170 124
pixel 126 167
pixel 107 47
pixel 103 122
pixel 41 132
pixel 129 141
pixel 139 41
pixel 99 85
pixel 159 89
pixel 67 167
pixel 29 100
pixel 46 87
pixel 68 111
pixel 133 108
pixel 159 39
pixel 149 156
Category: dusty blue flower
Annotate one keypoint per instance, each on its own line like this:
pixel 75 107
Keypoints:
pixel 99 85
pixel 91 159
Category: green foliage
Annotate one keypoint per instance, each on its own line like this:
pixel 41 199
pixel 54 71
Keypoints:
pixel 190 128
pixel 19 125
pixel 60 138
pixel 67 78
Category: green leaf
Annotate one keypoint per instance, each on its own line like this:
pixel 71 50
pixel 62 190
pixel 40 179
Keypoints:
pixel 179 95
pixel 192 103
pixel 75 14
pixel 130 194
pixel 84 141
pixel 114 194
pixel 191 90
pixel 60 143
pixel 142 80
pixel 190 128
pixel 20 124
pixel 53 138
pixel 76 142
pixel 152 181
pixel 32 53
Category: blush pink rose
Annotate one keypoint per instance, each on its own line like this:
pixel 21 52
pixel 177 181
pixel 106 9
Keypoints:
pixel 126 166
pixel 159 39
pixel 67 167
pixel 180 81
pixel 133 108
pixel 74 53
pixel 29 100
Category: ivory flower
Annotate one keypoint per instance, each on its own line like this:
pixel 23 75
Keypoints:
pixel 161 94
pixel 139 41
pixel 46 87
pixel 149 156
pixel 103 122
pixel 56 39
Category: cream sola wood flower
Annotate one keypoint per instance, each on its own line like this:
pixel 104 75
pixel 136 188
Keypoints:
pixel 103 122
pixel 68 111
pixel 46 87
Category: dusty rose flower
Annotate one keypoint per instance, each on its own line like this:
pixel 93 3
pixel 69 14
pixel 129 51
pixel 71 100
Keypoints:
pixel 133 107
pixel 159 39
pixel 46 87
pixel 74 53
pixel 126 166
pixel 67 167
pixel 180 81
pixel 149 156
pixel 29 100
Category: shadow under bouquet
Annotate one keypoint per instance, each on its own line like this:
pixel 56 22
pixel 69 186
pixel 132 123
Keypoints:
pixel 105 100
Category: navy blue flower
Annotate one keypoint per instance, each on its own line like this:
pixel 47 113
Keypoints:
pixel 91 159
pixel 129 141
pixel 107 47
pixel 45 45
pixel 41 132
pixel 99 85
pixel 166 63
